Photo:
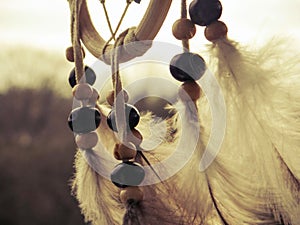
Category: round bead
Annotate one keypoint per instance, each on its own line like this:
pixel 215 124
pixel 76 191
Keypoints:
pixel 116 155
pixel 89 74
pixel 135 137
pixel 187 66
pixel 82 91
pixel 86 141
pixel 183 29
pixel 127 174
pixel 204 12
pixel 189 91
pixel 70 54
pixel 131 114
pixel 110 98
pixel 125 152
pixel 131 194
pixel 95 96
pixel 84 119
pixel 215 31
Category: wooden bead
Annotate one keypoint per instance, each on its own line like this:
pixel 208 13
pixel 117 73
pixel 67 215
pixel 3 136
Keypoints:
pixel 135 137
pixel 215 31
pixel 110 98
pixel 82 91
pixel 116 154
pixel 125 151
pixel 183 29
pixel 86 141
pixel 189 91
pixel 95 96
pixel 70 54
pixel 131 194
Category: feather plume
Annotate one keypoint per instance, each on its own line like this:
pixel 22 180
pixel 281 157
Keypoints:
pixel 97 196
pixel 258 108
pixel 255 177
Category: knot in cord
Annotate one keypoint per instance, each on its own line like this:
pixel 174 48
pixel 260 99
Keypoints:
pixel 133 46
pixel 129 47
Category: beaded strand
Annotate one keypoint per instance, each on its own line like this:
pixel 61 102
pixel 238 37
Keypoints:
pixel 186 67
pixel 84 120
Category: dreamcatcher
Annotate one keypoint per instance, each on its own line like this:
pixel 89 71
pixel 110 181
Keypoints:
pixel 232 139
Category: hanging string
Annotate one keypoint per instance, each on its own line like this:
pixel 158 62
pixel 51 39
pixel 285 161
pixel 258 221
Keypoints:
pixel 75 6
pixel 185 42
pixel 118 93
pixel 107 19
pixel 116 78
pixel 183 9
pixel 120 22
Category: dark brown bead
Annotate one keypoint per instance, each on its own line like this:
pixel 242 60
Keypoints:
pixel 204 12
pixel 189 91
pixel 127 174
pixel 84 120
pixel 132 117
pixel 125 151
pixel 89 73
pixel 187 66
pixel 70 54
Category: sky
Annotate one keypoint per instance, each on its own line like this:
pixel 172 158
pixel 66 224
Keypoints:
pixel 45 23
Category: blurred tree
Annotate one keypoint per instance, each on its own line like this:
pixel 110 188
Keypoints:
pixel 36 156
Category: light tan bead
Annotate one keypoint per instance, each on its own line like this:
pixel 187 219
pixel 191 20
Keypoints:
pixel 189 91
pixel 125 151
pixel 135 137
pixel 183 29
pixel 131 194
pixel 86 141
pixel 95 96
pixel 215 31
pixel 110 98
pixel 82 91
pixel 70 54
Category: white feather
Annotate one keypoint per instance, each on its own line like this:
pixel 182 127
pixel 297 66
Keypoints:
pixel 255 177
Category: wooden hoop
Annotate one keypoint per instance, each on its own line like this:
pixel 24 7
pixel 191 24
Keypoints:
pixel 147 29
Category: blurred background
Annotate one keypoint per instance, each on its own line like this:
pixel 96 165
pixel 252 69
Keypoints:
pixel 36 146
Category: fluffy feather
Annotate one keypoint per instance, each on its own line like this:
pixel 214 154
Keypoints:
pixel 260 121
pixel 255 177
